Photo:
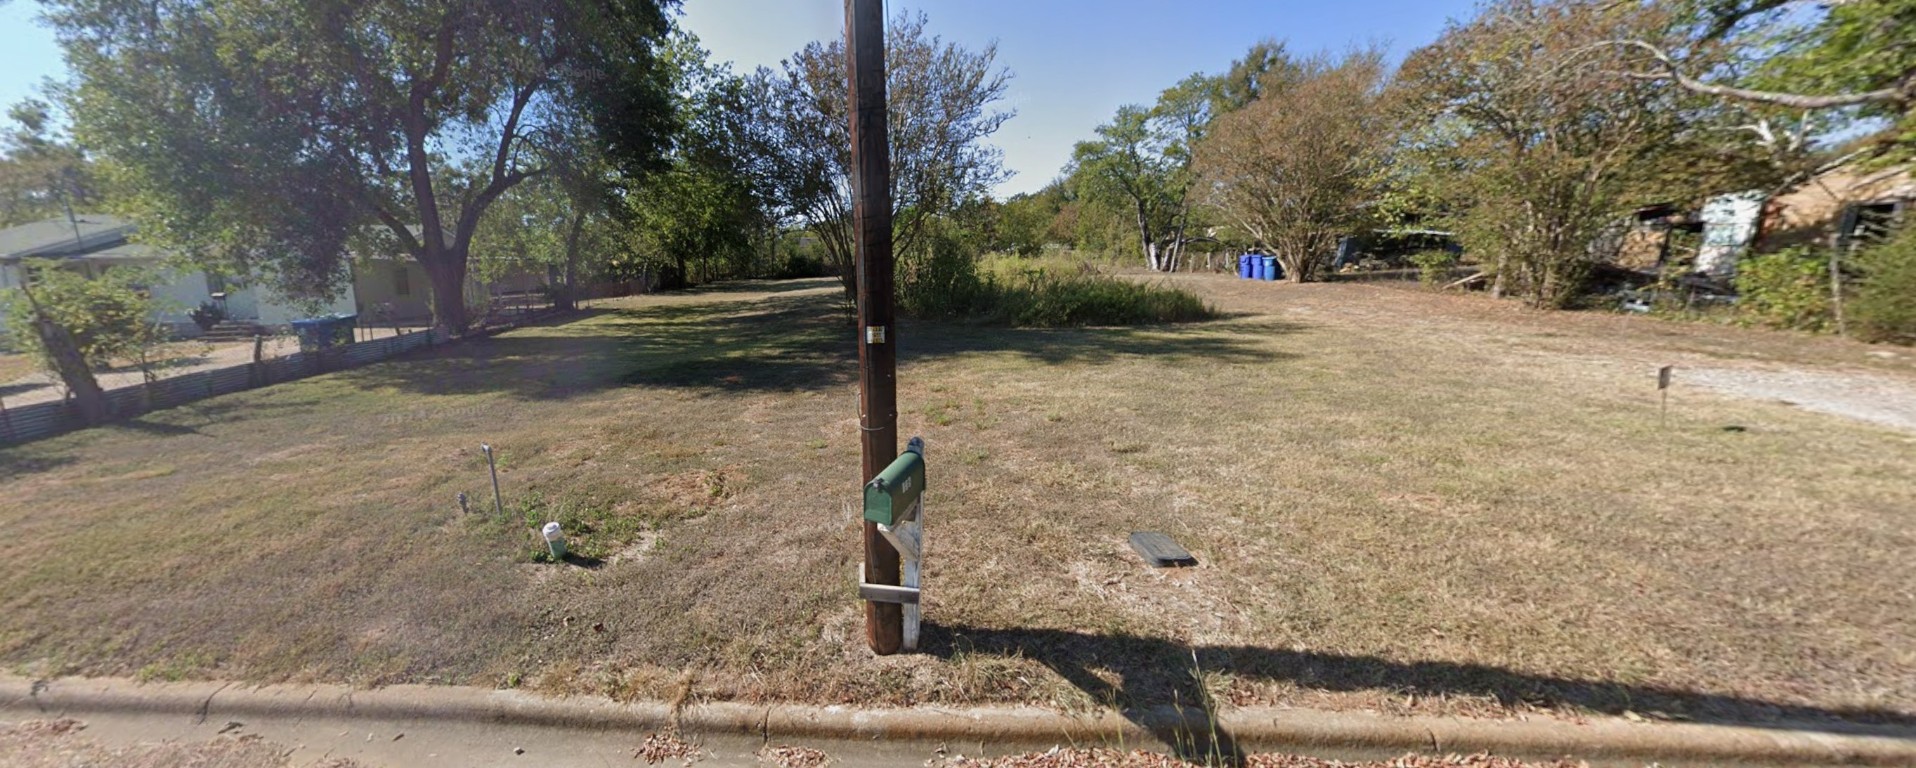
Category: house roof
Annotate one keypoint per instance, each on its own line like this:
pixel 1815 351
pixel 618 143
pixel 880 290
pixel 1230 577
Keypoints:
pixel 84 235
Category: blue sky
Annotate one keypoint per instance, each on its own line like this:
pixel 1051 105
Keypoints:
pixel 1074 62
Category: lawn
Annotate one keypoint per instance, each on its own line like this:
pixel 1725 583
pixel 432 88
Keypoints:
pixel 1399 501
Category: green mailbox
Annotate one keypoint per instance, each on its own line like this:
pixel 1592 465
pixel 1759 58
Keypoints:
pixel 889 496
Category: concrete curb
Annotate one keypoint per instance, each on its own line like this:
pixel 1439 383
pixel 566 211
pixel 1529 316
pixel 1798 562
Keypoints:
pixel 1253 729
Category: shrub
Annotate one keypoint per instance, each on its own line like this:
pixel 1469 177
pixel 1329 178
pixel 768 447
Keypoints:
pixel 1049 299
pixel 946 276
pixel 939 277
pixel 1884 307
pixel 1433 265
pixel 1788 289
pixel 109 317
pixel 796 265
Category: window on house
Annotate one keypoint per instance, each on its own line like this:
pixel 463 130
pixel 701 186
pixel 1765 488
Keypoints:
pixel 402 281
pixel 1869 222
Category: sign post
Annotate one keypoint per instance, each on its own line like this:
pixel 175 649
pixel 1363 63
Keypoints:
pixel 877 356
pixel 1663 390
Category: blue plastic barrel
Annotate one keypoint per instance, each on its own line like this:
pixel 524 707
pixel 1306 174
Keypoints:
pixel 322 332
pixel 1244 266
pixel 1269 268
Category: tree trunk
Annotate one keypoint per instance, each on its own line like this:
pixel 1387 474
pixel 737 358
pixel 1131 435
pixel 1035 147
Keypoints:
pixel 68 360
pixel 70 363
pixel 448 276
pixel 1144 240
pixel 565 298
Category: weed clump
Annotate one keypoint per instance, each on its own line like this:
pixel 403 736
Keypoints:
pixel 948 277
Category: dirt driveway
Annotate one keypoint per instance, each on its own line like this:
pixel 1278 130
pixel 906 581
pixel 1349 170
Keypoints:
pixel 1848 379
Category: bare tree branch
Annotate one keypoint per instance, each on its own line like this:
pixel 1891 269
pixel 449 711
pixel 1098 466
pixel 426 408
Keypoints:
pixel 1896 94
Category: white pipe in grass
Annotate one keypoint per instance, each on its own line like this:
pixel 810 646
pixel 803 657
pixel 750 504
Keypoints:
pixel 555 540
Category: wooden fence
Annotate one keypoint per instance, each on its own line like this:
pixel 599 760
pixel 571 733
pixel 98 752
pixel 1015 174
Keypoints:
pixel 41 420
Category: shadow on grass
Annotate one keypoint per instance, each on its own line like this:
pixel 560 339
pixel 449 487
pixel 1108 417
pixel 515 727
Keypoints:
pixel 1159 685
pixel 781 343
pixel 156 428
pixel 20 461
pixel 764 286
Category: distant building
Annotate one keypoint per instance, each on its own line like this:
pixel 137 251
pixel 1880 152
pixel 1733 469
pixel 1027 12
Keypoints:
pixel 1841 206
pixel 383 289
pixel 94 243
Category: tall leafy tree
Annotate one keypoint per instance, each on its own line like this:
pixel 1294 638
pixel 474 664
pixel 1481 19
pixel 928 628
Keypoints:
pixel 943 102
pixel 275 137
pixel 1127 167
pixel 1142 161
pixel 704 216
pixel 1536 145
pixel 1298 166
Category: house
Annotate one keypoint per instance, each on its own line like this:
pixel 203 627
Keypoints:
pixel 1841 206
pixel 92 244
pixel 384 289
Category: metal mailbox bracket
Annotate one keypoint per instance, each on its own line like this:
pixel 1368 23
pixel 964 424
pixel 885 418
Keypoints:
pixel 906 533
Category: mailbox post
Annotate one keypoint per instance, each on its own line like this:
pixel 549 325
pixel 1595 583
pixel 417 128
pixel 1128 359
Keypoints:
pixel 895 504
pixel 877 342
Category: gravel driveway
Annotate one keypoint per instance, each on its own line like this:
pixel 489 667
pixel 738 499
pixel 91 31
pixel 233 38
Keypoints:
pixel 1861 396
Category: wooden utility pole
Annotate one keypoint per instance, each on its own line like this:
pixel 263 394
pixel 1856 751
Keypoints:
pixel 877 344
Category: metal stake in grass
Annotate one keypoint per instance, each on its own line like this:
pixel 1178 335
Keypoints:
pixel 1663 390
pixel 497 503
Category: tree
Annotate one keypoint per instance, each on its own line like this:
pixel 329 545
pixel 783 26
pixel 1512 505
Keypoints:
pixel 276 137
pixel 704 216
pixel 80 324
pixel 1296 168
pixel 1024 221
pixel 41 174
pixel 560 222
pixel 1132 167
pixel 1533 141
pixel 1851 55
pixel 942 101
pixel 1142 161
pixel 1267 67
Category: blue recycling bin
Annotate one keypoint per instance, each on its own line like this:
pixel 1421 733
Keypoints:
pixel 317 333
pixel 1267 270
pixel 1244 266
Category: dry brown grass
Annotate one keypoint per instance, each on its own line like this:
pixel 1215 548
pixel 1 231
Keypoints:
pixel 1399 501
